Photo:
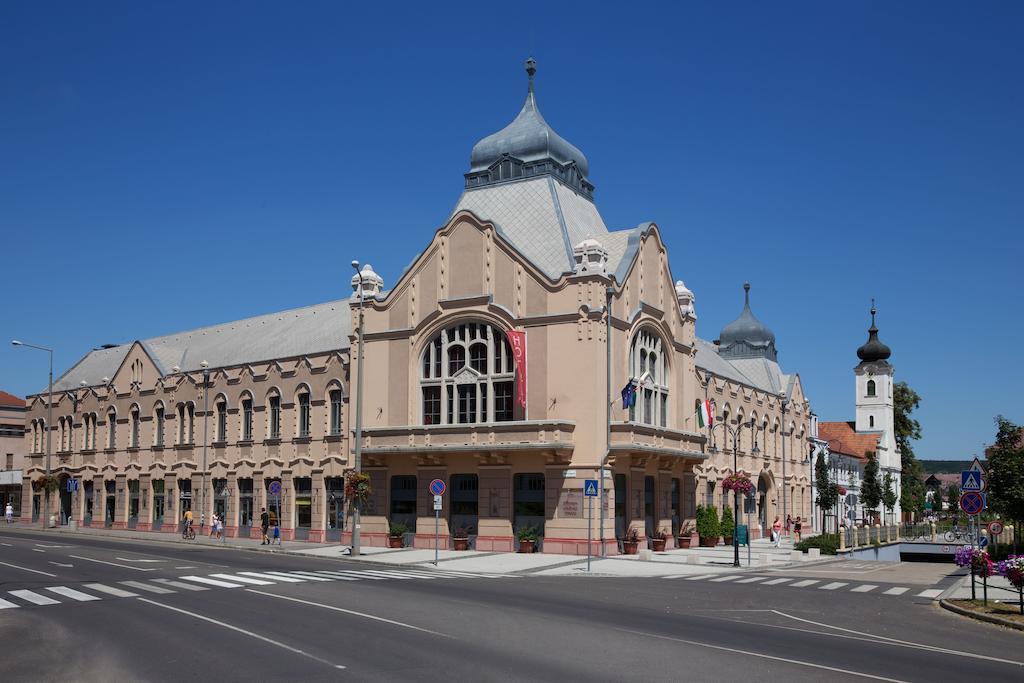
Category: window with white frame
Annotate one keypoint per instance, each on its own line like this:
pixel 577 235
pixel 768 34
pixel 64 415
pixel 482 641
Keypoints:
pixel 649 369
pixel 111 428
pixel 304 421
pixel 186 423
pixel 335 400
pixel 274 416
pixel 467 375
pixel 158 425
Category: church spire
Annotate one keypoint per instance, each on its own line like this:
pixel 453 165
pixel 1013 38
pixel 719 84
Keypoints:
pixel 873 350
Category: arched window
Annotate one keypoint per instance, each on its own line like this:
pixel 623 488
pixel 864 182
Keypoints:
pixel 302 400
pixel 334 397
pixel 246 403
pixel 158 424
pixel 871 387
pixel 274 414
pixel 186 423
pixel 871 421
pixel 34 429
pixel 455 391
pixel 136 421
pixel 112 428
pixel 222 418
pixel 648 368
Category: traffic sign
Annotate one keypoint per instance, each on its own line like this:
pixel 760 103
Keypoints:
pixel 995 528
pixel 437 487
pixel 976 466
pixel 972 503
pixel 437 502
pixel 982 541
pixel 590 487
pixel 971 480
pixel 275 488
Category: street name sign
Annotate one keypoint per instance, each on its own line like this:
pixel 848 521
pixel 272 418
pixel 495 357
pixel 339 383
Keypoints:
pixel 437 487
pixel 437 502
pixel 590 487
pixel 972 503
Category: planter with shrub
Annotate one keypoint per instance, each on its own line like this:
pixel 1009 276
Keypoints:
pixel 396 534
pixel 726 525
pixel 631 541
pixel 527 537
pixel 460 539
pixel 658 539
pixel 707 526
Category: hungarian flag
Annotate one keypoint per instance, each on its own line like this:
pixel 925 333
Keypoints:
pixel 629 395
pixel 705 414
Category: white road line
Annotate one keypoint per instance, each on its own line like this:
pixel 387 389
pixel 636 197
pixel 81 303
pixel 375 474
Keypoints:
pixel 775 582
pixel 420 574
pixel 110 590
pixel 181 585
pixel 3 603
pixel 804 583
pixel 336 576
pixel 727 577
pixel 675 576
pixel 72 593
pixel 899 590
pixel 930 593
pixel 212 582
pixel 37 550
pixel 128 559
pixel 764 656
pixel 701 576
pixel 286 579
pixel 752 579
pixel 243 579
pixel 244 632
pixel 864 588
pixel 146 587
pixel 467 575
pixel 8 545
pixel 386 575
pixel 188 567
pixel 355 574
pixel 309 575
pixel 8 564
pixel 352 612
pixel 34 598
pixel 832 586
pixel 114 564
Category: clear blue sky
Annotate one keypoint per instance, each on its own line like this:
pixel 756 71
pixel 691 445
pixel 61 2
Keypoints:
pixel 167 166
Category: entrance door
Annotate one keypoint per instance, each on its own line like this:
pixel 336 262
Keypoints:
pixel 528 502
pixel 65 501
pixel 133 503
pixel 111 506
pixel 335 507
pixel 245 507
pixel 158 504
pixel 648 506
pixel 762 504
pixel 403 501
pixel 88 493
pixel 464 503
pixel 620 505
pixel 676 516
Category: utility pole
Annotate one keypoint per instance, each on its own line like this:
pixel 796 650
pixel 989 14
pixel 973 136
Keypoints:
pixel 359 412
pixel 49 426
pixel 206 420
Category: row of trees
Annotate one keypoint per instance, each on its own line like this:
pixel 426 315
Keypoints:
pixel 873 492
pixel 1006 472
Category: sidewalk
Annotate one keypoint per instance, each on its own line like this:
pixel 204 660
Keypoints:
pixel 673 562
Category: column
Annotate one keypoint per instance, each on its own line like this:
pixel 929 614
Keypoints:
pixel 121 501
pixel 318 516
pixel 145 503
pixel 495 508
pixel 425 508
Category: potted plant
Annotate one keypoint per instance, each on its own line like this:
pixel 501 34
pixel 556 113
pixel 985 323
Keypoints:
pixel 527 537
pixel 658 539
pixel 726 525
pixel 631 541
pixel 685 535
pixel 707 526
pixel 396 534
pixel 460 538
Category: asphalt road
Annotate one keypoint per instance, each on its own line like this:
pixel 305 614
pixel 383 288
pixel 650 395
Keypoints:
pixel 366 622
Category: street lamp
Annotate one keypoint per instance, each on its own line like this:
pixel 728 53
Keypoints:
pixel 735 433
pixel 206 420
pixel 359 410
pixel 49 423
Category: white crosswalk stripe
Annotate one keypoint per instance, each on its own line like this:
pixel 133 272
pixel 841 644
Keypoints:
pixel 775 582
pixel 146 587
pixel 387 575
pixel 930 593
pixel 727 577
pixel 212 582
pixel 353 575
pixel 72 593
pixel 34 598
pixel 110 590
pixel 700 577
pixel 864 588
pixel 899 590
pixel 337 576
pixel 6 605
pixel 804 583
pixel 181 585
pixel 285 579
pixel 305 575
pixel 242 579
pixel 752 579
pixel 832 586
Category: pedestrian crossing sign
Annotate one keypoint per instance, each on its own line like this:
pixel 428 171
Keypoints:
pixel 590 487
pixel 970 480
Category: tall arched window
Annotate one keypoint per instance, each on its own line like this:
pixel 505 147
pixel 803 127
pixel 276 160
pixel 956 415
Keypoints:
pixel 222 418
pixel 871 387
pixel 467 375
pixel 302 427
pixel 334 396
pixel 246 403
pixel 274 414
pixel 649 368
pixel 136 423
pixel 186 423
pixel 112 428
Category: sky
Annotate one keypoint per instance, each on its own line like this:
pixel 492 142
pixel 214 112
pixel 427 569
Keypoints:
pixel 165 166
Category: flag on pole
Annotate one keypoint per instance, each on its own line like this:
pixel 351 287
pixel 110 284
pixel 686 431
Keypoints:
pixel 629 395
pixel 705 415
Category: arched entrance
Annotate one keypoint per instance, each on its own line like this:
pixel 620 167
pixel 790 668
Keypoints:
pixel 65 498
pixel 765 509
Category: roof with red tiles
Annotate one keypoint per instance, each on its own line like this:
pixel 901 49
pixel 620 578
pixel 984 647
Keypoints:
pixel 843 438
pixel 11 400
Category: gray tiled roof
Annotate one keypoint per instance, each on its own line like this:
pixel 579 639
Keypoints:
pixel 286 334
pixel 759 373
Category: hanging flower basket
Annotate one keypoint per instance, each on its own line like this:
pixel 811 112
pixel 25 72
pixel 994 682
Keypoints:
pixel 842 490
pixel 44 483
pixel 357 487
pixel 740 483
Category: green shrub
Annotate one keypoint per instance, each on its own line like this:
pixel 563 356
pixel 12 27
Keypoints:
pixel 828 544
pixel 528 533
pixel 707 522
pixel 397 529
pixel 726 525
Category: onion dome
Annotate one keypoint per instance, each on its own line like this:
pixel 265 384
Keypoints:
pixel 746 336
pixel 873 349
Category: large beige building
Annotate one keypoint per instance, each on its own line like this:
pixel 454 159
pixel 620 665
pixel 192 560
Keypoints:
pixel 525 259
pixel 12 449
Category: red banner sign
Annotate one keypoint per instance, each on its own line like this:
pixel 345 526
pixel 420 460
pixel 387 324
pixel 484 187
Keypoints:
pixel 518 342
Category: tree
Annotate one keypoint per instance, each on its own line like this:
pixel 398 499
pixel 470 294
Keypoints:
pixel 953 497
pixel 888 493
pixel 1006 471
pixel 912 497
pixel 905 401
pixel 870 487
pixel 828 492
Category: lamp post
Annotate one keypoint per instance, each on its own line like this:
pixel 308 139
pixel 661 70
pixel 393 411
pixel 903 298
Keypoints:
pixel 206 420
pixel 49 423
pixel 785 483
pixel 359 411
pixel 735 433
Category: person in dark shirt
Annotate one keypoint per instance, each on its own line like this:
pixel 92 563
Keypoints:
pixel 264 525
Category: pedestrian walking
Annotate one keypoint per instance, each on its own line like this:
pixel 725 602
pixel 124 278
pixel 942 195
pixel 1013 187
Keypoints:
pixel 264 525
pixel 777 531
pixel 277 534
pixel 9 512
pixel 797 527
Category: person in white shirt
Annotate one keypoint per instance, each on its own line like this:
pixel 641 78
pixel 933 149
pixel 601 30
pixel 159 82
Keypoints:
pixel 9 513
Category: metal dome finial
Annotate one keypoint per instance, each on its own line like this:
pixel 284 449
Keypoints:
pixel 531 69
pixel 873 311
pixel 746 294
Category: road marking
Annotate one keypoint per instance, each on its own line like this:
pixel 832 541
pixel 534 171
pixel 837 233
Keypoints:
pixel 417 575
pixel 8 564
pixel 863 588
pixel 72 593
pixel 212 582
pixel 832 586
pixel 386 575
pixel 3 603
pixel 146 587
pixel 355 574
pixel 37 550
pixel 50 545
pixel 8 545
pixel 752 579
pixel 182 586
pixel 189 567
pixel 309 575
pixel 244 632
pixel 296 575
pixel 764 656
pixel 61 564
pixel 110 590
pixel 804 583
pixel 34 597
pixel 701 576
pixel 899 590
pixel 334 576
pixel 727 577
pixel 114 564
pixel 352 612
pixel 286 579
pixel 675 576
pixel 930 593
pixel 242 579
pixel 128 559
pixel 775 582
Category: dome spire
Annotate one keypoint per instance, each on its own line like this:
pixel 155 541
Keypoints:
pixel 746 336
pixel 873 350
pixel 531 69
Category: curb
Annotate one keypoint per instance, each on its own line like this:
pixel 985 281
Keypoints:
pixel 999 621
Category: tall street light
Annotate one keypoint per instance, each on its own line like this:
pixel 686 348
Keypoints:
pixel 735 432
pixel 785 484
pixel 359 410
pixel 206 420
pixel 49 422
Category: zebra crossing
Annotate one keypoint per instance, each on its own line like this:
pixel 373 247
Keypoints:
pixel 90 592
pixel 812 584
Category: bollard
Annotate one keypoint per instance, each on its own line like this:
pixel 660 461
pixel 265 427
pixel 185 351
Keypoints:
pixel 795 556
pixel 842 538
pixel 933 533
pixel 888 533
pixel 878 534
pixel 814 553
pixel 646 555
pixel 856 535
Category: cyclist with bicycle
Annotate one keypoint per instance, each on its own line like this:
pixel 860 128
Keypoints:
pixel 187 530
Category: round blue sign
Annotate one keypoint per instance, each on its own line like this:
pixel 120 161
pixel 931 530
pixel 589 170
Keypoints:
pixel 275 488
pixel 972 503
pixel 437 487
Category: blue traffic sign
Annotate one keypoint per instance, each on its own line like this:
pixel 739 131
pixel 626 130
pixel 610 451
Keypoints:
pixel 437 487
pixel 275 488
pixel 590 487
pixel 982 541
pixel 972 503
pixel 970 480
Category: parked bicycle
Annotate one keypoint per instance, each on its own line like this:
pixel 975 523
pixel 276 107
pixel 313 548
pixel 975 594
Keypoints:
pixel 958 534
pixel 188 533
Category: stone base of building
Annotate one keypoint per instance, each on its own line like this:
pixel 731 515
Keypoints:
pixel 496 544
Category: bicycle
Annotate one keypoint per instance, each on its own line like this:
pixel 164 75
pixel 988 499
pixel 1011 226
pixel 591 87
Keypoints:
pixel 957 534
pixel 188 533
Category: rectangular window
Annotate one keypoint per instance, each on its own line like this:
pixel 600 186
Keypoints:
pixel 135 430
pixel 10 461
pixel 503 402
pixel 222 422
pixel 275 417
pixel 191 423
pixel 159 441
pixel 431 405
pixel 304 415
pixel 664 409
pixel 112 431
pixel 467 404
pixel 247 420
pixel 336 412
pixel 648 407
